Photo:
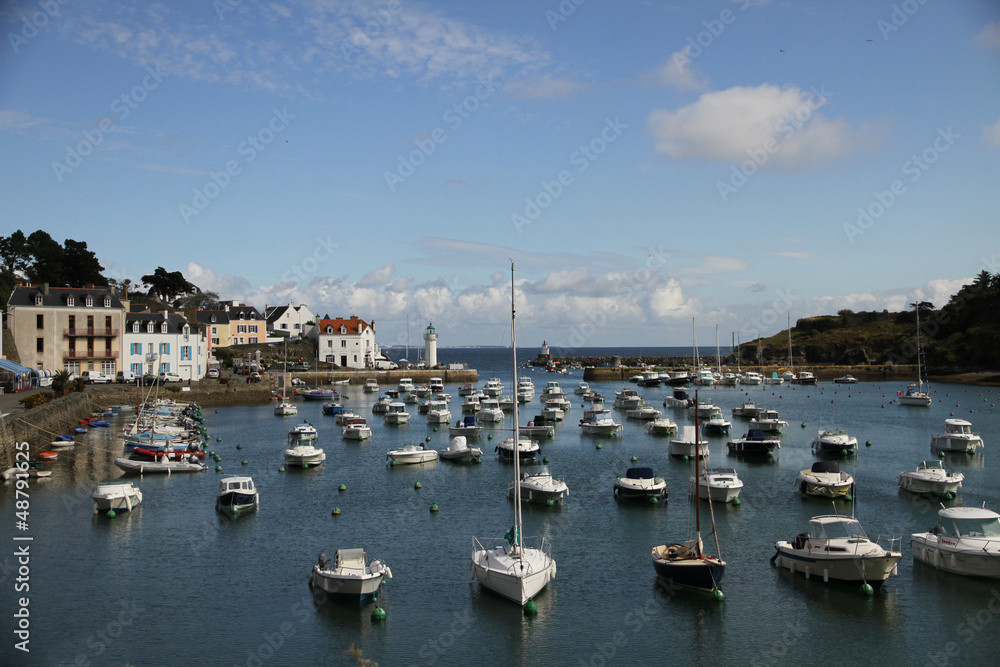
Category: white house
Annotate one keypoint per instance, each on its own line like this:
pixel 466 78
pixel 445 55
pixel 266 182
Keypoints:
pixel 164 342
pixel 290 321
pixel 348 343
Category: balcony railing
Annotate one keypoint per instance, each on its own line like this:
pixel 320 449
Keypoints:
pixel 91 354
pixel 91 332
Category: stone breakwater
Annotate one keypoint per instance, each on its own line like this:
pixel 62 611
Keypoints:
pixel 39 426
pixel 205 394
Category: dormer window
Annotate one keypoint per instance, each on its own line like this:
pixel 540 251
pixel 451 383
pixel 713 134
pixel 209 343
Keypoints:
pixel 163 328
pixel 213 318
pixel 70 300
pixel 107 301
pixel 343 328
pixel 329 330
pixel 187 330
pixel 38 299
pixel 135 327
pixel 88 301
pixel 243 315
pixel 149 327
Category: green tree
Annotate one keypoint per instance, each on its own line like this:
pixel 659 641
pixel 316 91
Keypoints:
pixel 80 265
pixel 200 301
pixel 47 255
pixel 167 285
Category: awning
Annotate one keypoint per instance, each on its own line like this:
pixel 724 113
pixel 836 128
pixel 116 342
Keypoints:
pixel 11 367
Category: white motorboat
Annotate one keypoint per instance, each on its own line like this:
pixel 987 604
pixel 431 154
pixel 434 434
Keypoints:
pixel 703 410
pixel 411 453
pixel 236 494
pixel 931 479
pixel 966 541
pixel 459 450
pixel 825 479
pixel 582 388
pixel 957 437
pixel 405 386
pixel 382 403
pixel 835 442
pixel 436 385
pixel 678 399
pixel 471 403
pixel 846 379
pixel 116 494
pixel 351 576
pixel 649 378
pixel 302 450
pixel 397 414
pixel 526 449
pixel 187 463
pixel 804 377
pixel 356 428
pixel 688 443
pixel 539 427
pixel 705 377
pixel 747 410
pixel 644 411
pixel 438 412
pixel 344 416
pixel 551 390
pixel 661 426
pixel 371 386
pixel 836 548
pixel 493 388
pixel 768 421
pixel 640 483
pixel 716 424
pixel 752 378
pixel 538 486
pixel 627 399
pixel 774 379
pixel 489 411
pixel 597 422
pixel 729 379
pixel 466 389
pixel 422 391
pixel 466 427
pixel 753 443
pixel 525 390
pixel 721 485
pixel 510 567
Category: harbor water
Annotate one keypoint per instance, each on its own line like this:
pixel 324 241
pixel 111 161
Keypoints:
pixel 176 583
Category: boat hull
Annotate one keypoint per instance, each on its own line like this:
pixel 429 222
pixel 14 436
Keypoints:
pixel 670 564
pixel 852 569
pixel 944 442
pixel 355 587
pixel 238 501
pixel 304 458
pixel 919 485
pixel 935 550
pixel 518 580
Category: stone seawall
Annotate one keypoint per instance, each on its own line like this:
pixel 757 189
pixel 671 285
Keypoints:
pixel 39 426
pixel 205 394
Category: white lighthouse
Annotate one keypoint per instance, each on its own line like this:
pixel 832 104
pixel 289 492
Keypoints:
pixel 430 346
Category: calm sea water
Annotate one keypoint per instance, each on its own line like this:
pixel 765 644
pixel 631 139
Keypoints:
pixel 174 583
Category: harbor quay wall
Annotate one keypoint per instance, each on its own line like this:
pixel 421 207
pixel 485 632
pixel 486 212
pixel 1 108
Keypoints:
pixel 206 394
pixel 39 425
pixel 607 373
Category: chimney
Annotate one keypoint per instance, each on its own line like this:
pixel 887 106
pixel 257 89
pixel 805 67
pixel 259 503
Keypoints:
pixel 45 289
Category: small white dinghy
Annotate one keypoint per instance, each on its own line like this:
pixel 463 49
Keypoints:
pixel 930 478
pixel 186 463
pixel 411 453
pixel 459 450
pixel 115 495
pixel 351 575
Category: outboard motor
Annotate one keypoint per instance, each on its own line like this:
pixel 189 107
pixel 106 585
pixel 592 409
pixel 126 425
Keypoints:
pixel 323 560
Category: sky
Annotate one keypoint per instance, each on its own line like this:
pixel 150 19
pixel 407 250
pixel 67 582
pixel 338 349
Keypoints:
pixel 645 165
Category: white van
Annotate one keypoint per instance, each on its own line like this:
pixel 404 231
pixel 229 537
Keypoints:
pixel 95 377
pixel 125 376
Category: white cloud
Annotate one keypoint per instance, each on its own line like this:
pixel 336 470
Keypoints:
pixel 728 125
pixel 377 277
pixel 991 134
pixel 677 73
pixel 989 36
pixel 792 254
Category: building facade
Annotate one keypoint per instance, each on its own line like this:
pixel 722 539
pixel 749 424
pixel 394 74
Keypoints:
pixel 348 343
pixel 163 342
pixel 290 321
pixel 247 325
pixel 76 329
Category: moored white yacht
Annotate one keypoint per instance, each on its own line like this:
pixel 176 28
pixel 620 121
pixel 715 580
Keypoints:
pixel 459 450
pixel 644 411
pixel 957 437
pixel 397 414
pixel 965 541
pixel 302 450
pixel 834 442
pixel 236 494
pixel 768 421
pixel 716 424
pixel 356 428
pixel 720 485
pixel 930 478
pixel 753 443
pixel 466 427
pixel 526 449
pixel 640 483
pixel 836 548
pixel 627 399
pixel 351 576
pixel 688 443
pixel 116 494
pixel 825 479
pixel 538 485
pixel 489 411
pixel 596 422
pixel 438 412
pixel 411 453
pixel 752 378
pixel 661 426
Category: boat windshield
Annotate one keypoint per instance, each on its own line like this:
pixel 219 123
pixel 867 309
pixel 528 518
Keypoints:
pixel 985 527
pixel 839 529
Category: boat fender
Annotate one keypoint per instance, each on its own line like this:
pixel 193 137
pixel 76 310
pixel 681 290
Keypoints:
pixel 802 486
pixel 553 570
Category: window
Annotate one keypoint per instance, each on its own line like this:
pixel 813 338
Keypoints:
pixel 135 348
pixel 243 315
pixel 213 319
pixel 39 345
pixel 215 330
pixel 70 300
pixel 252 328
pixel 88 301
pixel 343 328
pixel 136 369
pixel 215 341
pixel 73 367
pixel 164 348
pixel 149 327
pixel 343 343
pixel 253 340
pixel 107 302
pixel 284 325
pixel 108 368
pixel 355 358
pixel 329 330
pixel 163 328
pixel 107 322
pixel 241 328
pixel 39 321
pixel 149 349
pixel 296 325
pixel 329 343
pixel 38 299
pixel 165 367
pixel 135 327
pixel 185 353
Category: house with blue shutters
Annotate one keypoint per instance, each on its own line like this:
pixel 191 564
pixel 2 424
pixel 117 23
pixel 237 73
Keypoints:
pixel 164 342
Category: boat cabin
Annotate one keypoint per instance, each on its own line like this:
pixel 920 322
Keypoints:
pixel 244 484
pixel 968 522
pixel 836 527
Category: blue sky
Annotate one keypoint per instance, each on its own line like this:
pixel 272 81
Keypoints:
pixel 642 163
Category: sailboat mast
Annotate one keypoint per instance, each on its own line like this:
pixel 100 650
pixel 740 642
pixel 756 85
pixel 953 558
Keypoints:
pixel 697 479
pixel 718 357
pixel 517 444
pixel 789 342
pixel 920 349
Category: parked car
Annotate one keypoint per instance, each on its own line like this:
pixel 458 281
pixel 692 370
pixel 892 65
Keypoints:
pixel 125 376
pixel 170 377
pixel 95 377
pixel 148 380
pixel 255 377
pixel 213 372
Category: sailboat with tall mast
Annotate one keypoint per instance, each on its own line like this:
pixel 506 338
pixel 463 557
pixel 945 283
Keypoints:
pixel 687 564
pixel 915 394
pixel 285 408
pixel 508 567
